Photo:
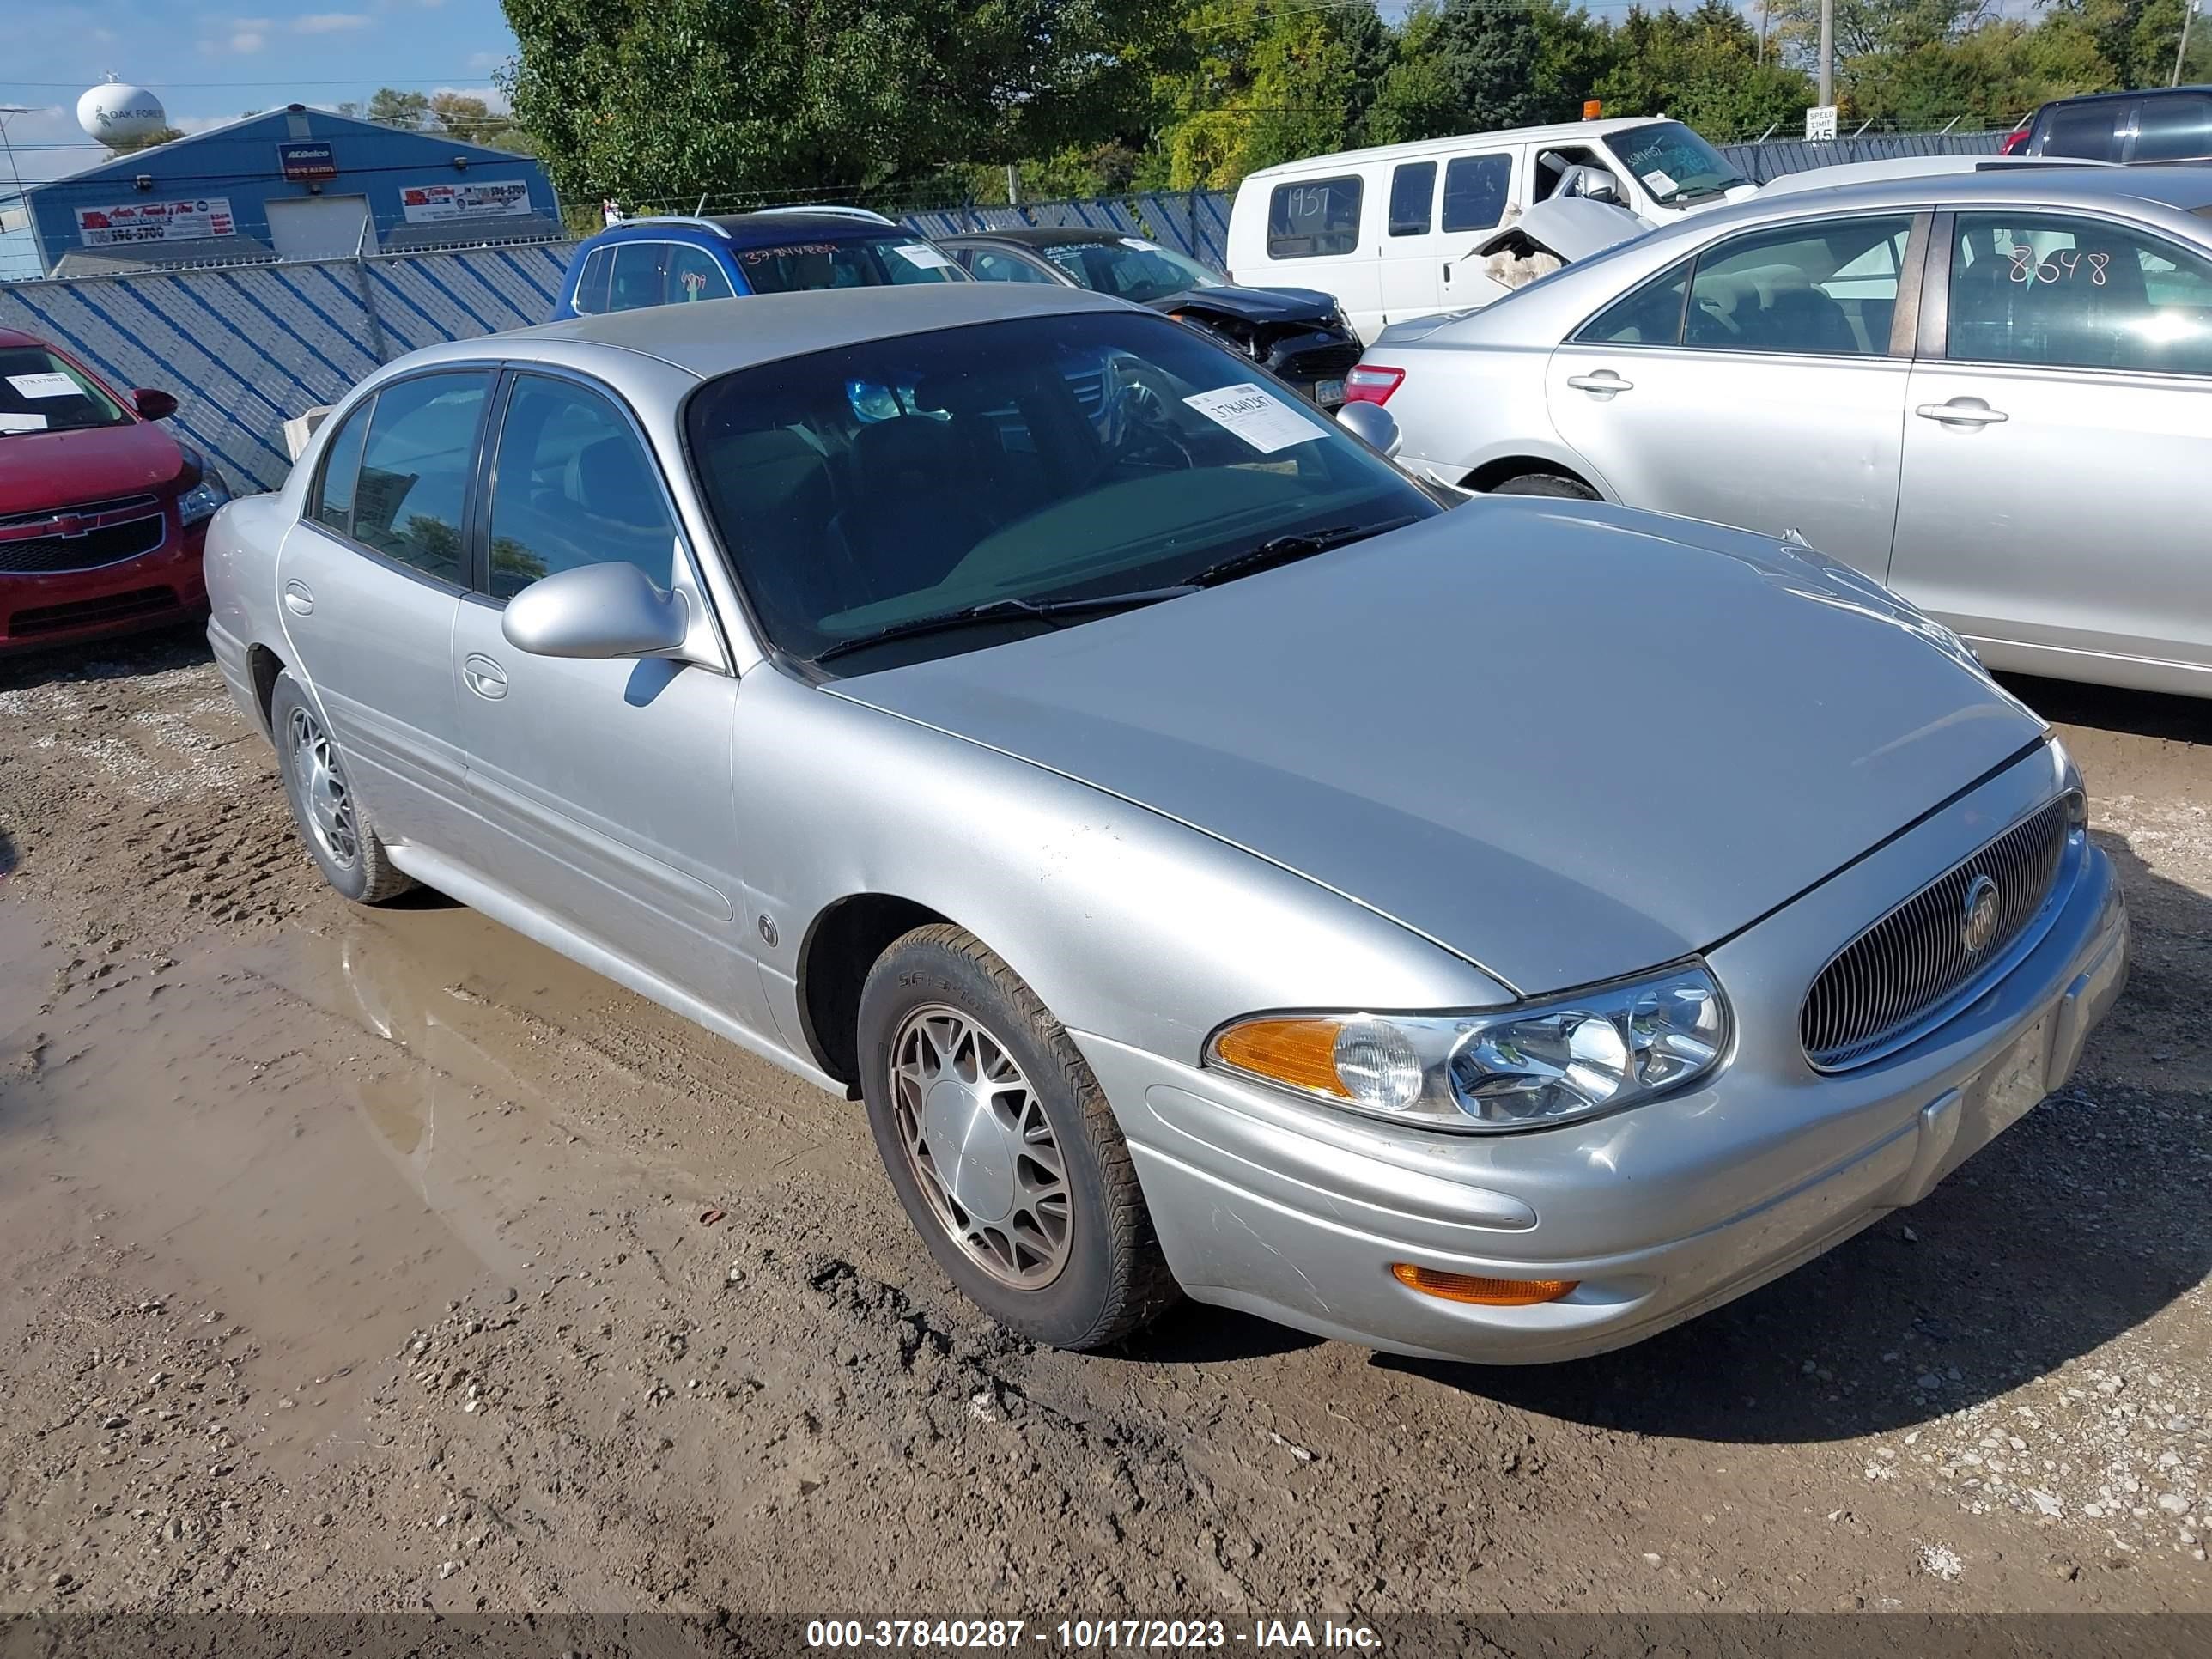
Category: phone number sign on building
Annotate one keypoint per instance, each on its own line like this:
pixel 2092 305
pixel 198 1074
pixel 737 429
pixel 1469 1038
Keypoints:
pixel 156 221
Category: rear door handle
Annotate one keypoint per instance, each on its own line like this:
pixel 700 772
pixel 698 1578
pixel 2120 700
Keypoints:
pixel 1962 411
pixel 299 598
pixel 1604 383
pixel 484 677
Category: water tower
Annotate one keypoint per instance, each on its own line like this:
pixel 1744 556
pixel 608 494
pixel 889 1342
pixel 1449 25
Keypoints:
pixel 117 112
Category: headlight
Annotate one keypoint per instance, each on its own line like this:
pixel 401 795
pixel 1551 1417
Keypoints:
pixel 201 500
pixel 1530 1066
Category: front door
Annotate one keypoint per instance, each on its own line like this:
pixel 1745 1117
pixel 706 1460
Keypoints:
pixel 369 581
pixel 608 785
pixel 2058 438
pixel 1772 400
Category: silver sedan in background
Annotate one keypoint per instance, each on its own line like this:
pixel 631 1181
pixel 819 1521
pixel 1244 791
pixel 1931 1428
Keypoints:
pixel 1495 933
pixel 1990 391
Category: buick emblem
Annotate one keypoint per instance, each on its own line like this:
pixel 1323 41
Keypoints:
pixel 1978 925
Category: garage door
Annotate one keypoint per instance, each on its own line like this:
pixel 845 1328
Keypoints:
pixel 320 227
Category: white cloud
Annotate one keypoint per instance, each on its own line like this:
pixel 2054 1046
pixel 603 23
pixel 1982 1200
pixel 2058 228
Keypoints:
pixel 484 62
pixel 330 22
pixel 244 40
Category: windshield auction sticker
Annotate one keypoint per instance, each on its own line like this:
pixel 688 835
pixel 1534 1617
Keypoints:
pixel 1253 414
pixel 928 257
pixel 44 386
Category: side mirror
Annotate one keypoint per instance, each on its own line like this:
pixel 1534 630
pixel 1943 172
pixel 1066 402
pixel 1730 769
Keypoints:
pixel 1372 422
pixel 1591 183
pixel 154 405
pixel 595 611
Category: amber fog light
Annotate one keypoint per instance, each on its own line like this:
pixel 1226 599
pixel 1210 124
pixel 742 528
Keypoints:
pixel 1488 1292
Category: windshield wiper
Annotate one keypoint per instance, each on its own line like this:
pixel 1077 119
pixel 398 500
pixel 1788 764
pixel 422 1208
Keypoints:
pixel 1288 550
pixel 1007 610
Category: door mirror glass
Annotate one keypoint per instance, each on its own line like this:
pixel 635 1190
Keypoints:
pixel 1372 422
pixel 596 611
pixel 1592 184
pixel 154 405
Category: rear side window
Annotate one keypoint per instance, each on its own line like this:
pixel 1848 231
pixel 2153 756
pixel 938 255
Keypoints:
pixel 1474 191
pixel 592 285
pixel 2090 132
pixel 2178 128
pixel 641 277
pixel 1413 198
pixel 340 463
pixel 415 471
pixel 1651 315
pixel 1314 219
pixel 985 266
pixel 2060 292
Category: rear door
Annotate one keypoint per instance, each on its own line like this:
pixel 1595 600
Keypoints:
pixel 606 786
pixel 1761 384
pixel 1413 265
pixel 1316 238
pixel 2058 436
pixel 369 583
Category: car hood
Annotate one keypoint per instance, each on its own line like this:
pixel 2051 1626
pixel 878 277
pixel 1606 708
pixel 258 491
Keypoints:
pixel 40 470
pixel 1563 742
pixel 1572 227
pixel 1255 304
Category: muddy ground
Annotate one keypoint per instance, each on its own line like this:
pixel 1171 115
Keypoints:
pixel 386 1262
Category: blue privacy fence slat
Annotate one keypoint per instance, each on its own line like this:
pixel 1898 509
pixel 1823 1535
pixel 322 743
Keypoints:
pixel 243 347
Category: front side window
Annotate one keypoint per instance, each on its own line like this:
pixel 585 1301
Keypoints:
pixel 2062 292
pixel 572 486
pixel 893 482
pixel 43 391
pixel 1413 198
pixel 857 262
pixel 640 275
pixel 695 274
pixel 1130 268
pixel 1827 287
pixel 1475 188
pixel 2090 132
pixel 1317 217
pixel 1673 163
pixel 987 267
pixel 415 471
pixel 1649 315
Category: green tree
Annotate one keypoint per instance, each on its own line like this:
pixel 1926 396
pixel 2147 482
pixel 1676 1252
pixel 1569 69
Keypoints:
pixel 391 107
pixel 1702 67
pixel 144 141
pixel 661 99
pixel 1242 85
pixel 1467 66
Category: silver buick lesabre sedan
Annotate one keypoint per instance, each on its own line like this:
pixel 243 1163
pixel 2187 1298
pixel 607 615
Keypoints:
pixel 1495 933
pixel 1989 390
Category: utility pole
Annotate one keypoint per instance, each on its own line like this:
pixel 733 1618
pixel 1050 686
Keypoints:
pixel 1764 10
pixel 1013 184
pixel 2188 12
pixel 1827 52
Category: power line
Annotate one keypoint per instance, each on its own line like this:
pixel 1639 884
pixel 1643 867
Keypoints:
pixel 350 81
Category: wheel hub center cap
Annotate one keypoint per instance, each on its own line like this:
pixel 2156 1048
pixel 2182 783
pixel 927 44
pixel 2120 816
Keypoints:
pixel 973 1150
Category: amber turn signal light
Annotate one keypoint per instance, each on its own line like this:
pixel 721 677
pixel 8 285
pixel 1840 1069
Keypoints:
pixel 1486 1292
pixel 1299 1052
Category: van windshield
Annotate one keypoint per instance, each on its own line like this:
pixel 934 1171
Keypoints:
pixel 1673 163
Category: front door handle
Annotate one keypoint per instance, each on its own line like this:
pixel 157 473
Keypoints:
pixel 299 598
pixel 1603 384
pixel 484 677
pixel 1962 411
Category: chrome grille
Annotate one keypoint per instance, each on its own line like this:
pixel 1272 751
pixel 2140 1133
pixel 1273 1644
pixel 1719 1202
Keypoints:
pixel 1914 962
pixel 82 509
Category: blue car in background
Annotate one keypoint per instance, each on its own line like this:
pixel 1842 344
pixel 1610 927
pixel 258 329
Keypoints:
pixel 676 260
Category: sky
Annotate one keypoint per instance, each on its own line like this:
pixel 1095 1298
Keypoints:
pixel 211 64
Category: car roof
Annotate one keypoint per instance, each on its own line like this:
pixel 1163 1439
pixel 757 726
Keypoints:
pixel 1557 131
pixel 15 336
pixel 761 229
pixel 1045 236
pixel 2197 88
pixel 2184 185
pixel 714 336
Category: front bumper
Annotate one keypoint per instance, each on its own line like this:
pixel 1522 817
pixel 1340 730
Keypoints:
pixel 1661 1211
pixel 68 607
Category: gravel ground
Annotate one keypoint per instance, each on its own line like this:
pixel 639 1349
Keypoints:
pixel 386 1262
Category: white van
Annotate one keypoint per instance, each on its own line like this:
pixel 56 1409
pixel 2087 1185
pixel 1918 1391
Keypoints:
pixel 1389 231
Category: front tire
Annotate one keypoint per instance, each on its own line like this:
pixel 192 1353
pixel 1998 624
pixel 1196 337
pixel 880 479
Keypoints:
pixel 1548 484
pixel 1001 1146
pixel 340 835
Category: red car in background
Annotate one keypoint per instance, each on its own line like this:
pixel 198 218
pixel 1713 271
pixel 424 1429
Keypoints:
pixel 102 513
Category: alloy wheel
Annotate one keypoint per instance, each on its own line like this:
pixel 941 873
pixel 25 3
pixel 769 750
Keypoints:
pixel 323 791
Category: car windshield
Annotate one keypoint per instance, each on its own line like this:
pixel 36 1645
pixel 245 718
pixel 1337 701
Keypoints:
pixel 846 262
pixel 1068 458
pixel 41 393
pixel 1673 163
pixel 1129 267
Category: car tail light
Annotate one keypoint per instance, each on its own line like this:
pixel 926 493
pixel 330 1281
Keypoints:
pixel 2013 139
pixel 1372 383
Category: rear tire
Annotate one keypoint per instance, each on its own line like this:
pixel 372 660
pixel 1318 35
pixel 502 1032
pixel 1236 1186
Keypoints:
pixel 1546 484
pixel 341 837
pixel 1001 1146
